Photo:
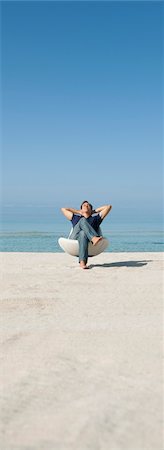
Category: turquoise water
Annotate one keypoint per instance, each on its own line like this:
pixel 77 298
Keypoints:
pixel 26 230
pixel 33 241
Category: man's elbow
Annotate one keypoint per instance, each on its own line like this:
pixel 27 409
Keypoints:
pixel 108 208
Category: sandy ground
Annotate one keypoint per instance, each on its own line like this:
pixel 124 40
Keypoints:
pixel 81 352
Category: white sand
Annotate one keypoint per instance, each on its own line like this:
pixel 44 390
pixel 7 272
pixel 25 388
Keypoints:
pixel 81 352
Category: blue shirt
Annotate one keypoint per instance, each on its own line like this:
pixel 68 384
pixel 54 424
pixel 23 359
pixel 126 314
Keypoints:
pixel 94 220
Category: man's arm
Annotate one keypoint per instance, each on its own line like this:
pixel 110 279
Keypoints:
pixel 104 210
pixel 68 212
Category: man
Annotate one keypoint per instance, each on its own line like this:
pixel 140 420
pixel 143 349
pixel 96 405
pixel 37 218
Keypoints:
pixel 86 222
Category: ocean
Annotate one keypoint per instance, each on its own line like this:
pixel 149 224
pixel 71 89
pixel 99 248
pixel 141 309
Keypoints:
pixel 38 230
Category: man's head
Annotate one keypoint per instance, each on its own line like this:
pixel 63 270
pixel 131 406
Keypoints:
pixel 86 207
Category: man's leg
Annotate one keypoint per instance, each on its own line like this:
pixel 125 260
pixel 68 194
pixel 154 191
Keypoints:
pixel 83 247
pixel 84 225
pixel 75 232
pixel 89 230
pixel 80 235
pixel 84 233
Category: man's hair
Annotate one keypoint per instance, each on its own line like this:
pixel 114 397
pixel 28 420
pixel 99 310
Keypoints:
pixel 86 201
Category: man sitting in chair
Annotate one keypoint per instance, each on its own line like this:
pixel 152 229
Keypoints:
pixel 86 222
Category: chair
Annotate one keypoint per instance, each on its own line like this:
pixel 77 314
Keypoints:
pixel 71 246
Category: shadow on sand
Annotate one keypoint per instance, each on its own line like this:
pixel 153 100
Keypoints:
pixel 121 264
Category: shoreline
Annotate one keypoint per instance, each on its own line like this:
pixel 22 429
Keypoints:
pixel 113 252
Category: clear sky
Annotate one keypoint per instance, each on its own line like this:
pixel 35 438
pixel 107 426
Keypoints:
pixel 82 104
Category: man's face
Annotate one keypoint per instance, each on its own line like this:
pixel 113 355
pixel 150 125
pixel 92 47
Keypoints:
pixel 86 208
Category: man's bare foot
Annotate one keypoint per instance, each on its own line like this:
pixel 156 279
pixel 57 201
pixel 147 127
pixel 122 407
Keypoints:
pixel 96 239
pixel 83 265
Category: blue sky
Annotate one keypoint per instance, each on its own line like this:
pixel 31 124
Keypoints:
pixel 82 104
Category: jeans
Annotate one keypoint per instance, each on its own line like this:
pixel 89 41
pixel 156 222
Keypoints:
pixel 84 233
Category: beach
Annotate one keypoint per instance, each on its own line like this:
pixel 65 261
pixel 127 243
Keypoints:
pixel 81 352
